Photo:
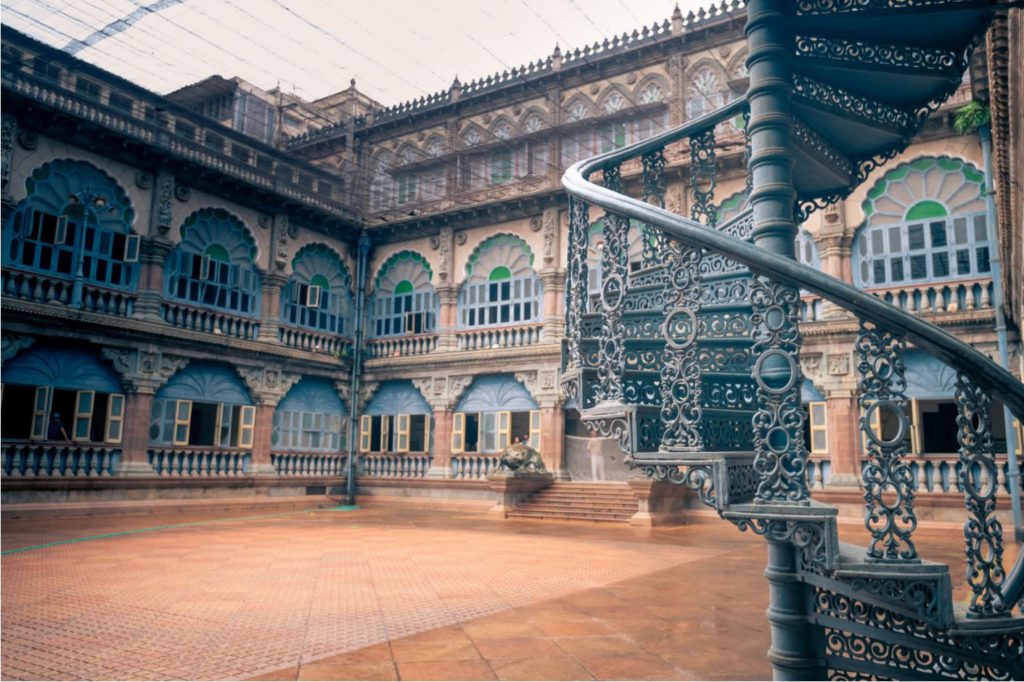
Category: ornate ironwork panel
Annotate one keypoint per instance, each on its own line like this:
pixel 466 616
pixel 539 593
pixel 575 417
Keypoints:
pixel 888 480
pixel 983 533
pixel 654 193
pixel 614 271
pixel 576 287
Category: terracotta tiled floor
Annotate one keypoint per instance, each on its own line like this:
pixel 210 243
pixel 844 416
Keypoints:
pixel 384 594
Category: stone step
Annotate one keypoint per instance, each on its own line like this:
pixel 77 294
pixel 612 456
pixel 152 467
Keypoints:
pixel 569 516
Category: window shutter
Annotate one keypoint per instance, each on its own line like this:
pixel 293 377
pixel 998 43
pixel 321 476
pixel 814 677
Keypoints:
pixel 247 426
pixel 313 296
pixel 365 431
pixel 402 433
pixel 458 432
pixel 535 429
pixel 182 419
pixel 131 248
pixel 114 432
pixel 62 230
pixel 1020 437
pixel 504 428
pixel 385 433
pixel 819 428
pixel 426 433
pixel 40 410
pixel 84 402
pixel 916 435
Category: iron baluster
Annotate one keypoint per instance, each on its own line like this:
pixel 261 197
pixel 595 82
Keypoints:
pixel 780 452
pixel 983 534
pixel 614 270
pixel 703 164
pixel 749 181
pixel 576 291
pixel 888 480
pixel 653 180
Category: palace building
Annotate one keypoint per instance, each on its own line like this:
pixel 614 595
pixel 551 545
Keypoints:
pixel 186 277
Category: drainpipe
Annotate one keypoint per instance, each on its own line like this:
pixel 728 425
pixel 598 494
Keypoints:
pixel 1013 470
pixel 357 362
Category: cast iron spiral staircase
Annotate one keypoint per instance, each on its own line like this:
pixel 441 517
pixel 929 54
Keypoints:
pixel 692 361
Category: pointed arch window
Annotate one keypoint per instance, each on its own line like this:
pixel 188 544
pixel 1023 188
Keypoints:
pixel 705 93
pixel 501 286
pixel 213 265
pixel 75 222
pixel 404 301
pixel 926 221
pixel 318 294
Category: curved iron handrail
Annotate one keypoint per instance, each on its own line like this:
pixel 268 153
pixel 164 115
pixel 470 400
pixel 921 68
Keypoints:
pixel 959 355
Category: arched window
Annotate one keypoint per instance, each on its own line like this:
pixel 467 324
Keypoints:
pixel 925 221
pixel 318 294
pixel 60 393
pixel 75 221
pixel 501 286
pixel 495 411
pixel 309 418
pixel 213 264
pixel 397 419
pixel 403 301
pixel 705 93
pixel 204 405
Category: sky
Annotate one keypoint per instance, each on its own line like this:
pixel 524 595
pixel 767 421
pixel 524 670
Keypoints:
pixel 395 49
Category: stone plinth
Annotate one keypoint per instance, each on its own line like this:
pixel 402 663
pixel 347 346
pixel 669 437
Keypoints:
pixel 512 487
pixel 660 503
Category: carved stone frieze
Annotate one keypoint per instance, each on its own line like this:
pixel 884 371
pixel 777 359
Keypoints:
pixel 838 364
pixel 424 385
pixel 529 380
pixel 550 235
pixel 267 385
pixel 12 344
pixel 456 386
pixel 8 130
pixel 162 206
pixel 446 249
pixel 143 371
pixel 811 365
pixel 282 229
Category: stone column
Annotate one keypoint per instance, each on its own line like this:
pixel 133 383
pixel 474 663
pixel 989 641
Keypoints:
pixel 844 441
pixel 448 316
pixel 440 465
pixel 552 437
pixel 834 245
pixel 153 251
pixel 138 408
pixel 260 465
pixel 553 309
pixel 270 307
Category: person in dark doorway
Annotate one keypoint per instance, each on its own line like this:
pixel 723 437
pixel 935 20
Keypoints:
pixel 596 456
pixel 56 430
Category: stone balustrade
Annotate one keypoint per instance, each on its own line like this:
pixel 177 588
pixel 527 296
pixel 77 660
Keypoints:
pixel 810 308
pixel 411 465
pixel 401 346
pixel 30 460
pixel 308 463
pixel 210 321
pixel 940 297
pixel 41 288
pixel 199 462
pixel 474 467
pixel 308 339
pixel 932 473
pixel 818 470
pixel 499 337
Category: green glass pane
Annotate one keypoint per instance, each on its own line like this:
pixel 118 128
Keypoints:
pixel 218 253
pixel 404 287
pixel 499 273
pixel 923 210
pixel 320 281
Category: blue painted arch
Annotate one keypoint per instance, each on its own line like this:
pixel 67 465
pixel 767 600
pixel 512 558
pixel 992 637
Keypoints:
pixel 313 394
pixel 496 392
pixel 73 369
pixel 208 382
pixel 397 397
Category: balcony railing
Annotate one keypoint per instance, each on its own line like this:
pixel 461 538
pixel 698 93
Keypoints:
pixel 411 465
pixel 212 462
pixel 932 473
pixel 308 463
pixel 499 337
pixel 931 297
pixel 474 467
pixel 401 346
pixel 308 339
pixel 41 288
pixel 210 321
pixel 32 460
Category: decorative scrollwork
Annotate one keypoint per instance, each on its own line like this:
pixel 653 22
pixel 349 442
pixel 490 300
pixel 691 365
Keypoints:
pixel 807 536
pixel 983 534
pixel 780 452
pixel 852 104
pixel 888 480
pixel 614 273
pixel 681 376
pixel 653 179
pixel 861 52
pixel 576 287
pixel 697 477
pixel 703 171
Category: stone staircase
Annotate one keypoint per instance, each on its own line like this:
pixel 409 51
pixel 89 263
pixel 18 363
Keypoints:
pixel 571 501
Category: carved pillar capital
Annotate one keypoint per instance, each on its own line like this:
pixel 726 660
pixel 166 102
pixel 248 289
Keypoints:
pixel 12 344
pixel 8 129
pixel 143 371
pixel 267 384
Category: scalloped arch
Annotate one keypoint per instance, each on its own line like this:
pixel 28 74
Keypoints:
pixel 613 99
pixel 642 93
pixel 505 249
pixel 318 258
pixel 503 127
pixel 533 119
pixel 51 185
pixel 216 226
pixel 578 108
pixel 954 183
pixel 403 265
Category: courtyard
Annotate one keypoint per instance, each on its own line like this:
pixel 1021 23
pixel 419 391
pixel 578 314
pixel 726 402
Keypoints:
pixel 386 593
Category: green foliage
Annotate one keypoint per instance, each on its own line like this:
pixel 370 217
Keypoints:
pixel 970 117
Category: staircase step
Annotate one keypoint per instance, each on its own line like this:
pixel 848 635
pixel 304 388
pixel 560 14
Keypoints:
pixel 579 501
